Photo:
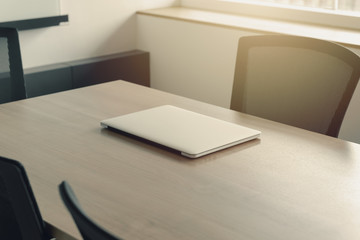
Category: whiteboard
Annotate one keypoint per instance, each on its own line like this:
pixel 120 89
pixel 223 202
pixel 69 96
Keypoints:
pixel 14 10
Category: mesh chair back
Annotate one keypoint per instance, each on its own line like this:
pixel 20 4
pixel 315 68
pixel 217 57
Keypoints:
pixel 20 218
pixel 89 230
pixel 303 82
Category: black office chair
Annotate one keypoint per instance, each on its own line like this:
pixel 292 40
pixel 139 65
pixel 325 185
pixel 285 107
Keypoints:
pixel 20 218
pixel 89 230
pixel 12 83
pixel 299 81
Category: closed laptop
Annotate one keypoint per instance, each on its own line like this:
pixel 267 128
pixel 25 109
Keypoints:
pixel 191 133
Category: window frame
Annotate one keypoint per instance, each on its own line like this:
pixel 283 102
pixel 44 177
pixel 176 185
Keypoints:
pixel 329 18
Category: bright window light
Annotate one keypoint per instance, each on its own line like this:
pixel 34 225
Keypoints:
pixel 342 5
pixel 333 13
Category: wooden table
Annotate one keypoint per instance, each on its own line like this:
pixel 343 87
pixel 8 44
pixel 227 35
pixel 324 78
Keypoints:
pixel 290 184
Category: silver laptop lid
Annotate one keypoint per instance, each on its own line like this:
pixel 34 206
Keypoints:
pixel 193 134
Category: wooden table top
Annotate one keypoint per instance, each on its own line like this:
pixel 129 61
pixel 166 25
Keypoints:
pixel 290 184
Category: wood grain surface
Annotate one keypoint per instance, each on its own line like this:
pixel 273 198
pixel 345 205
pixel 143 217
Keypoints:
pixel 290 184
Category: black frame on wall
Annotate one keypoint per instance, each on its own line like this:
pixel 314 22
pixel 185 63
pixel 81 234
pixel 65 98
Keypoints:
pixel 36 22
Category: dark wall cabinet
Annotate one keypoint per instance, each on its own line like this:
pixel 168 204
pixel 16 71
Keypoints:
pixel 132 66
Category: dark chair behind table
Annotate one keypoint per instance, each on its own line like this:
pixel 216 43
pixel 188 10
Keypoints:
pixel 20 217
pixel 299 81
pixel 12 83
pixel 89 230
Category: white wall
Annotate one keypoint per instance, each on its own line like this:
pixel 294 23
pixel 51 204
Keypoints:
pixel 95 27
pixel 198 61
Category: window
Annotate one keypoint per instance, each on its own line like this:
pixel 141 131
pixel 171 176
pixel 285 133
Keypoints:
pixel 336 5
pixel 334 13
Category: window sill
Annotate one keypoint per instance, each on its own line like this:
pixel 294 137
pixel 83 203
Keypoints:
pixel 342 36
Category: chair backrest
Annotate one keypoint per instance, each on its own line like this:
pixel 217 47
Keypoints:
pixel 88 229
pixel 20 218
pixel 299 81
pixel 12 84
